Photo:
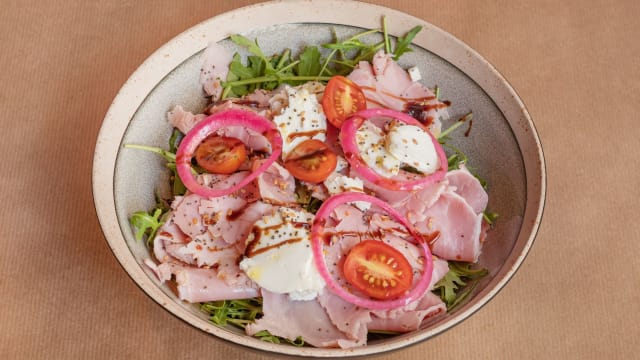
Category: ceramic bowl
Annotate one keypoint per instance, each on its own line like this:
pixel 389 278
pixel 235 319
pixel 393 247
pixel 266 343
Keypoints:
pixel 503 145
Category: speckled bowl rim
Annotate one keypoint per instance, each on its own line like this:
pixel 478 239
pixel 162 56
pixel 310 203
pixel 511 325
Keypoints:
pixel 439 42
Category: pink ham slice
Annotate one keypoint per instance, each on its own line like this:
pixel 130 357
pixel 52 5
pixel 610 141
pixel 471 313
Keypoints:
pixel 186 215
pixel 248 193
pixel 239 228
pixel 215 69
pixel 200 285
pixel 469 187
pixel 458 225
pixel 276 185
pixel 386 84
pixel 183 120
pixel 352 320
pixel 427 309
pixel 253 140
pixel 291 319
pixel 168 242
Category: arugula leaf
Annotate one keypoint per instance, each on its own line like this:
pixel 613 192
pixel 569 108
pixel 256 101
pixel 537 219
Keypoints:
pixel 490 217
pixel 402 45
pixel 265 335
pixel 174 140
pixel 309 64
pixel 235 312
pixel 455 279
pixel 346 54
pixel 240 313
pixel 304 197
pixel 240 70
pixel 254 48
pixel 145 223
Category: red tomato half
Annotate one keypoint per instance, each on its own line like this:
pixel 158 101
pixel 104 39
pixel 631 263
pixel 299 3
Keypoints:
pixel 221 154
pixel 342 98
pixel 311 161
pixel 378 270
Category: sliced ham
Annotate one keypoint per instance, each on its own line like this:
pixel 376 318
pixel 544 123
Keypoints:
pixel 427 309
pixel 183 120
pixel 186 215
pixel 351 319
pixel 215 69
pixel 168 233
pixel 292 319
pixel 207 251
pixel 249 193
pixel 416 204
pixel 276 185
pixel 200 285
pixel 240 226
pixel 458 226
pixel 469 187
pixel 168 242
pixel 253 140
pixel 386 84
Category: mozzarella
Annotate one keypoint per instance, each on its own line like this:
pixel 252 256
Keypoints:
pixel 337 183
pixel 370 140
pixel 281 259
pixel 301 120
pixel 413 146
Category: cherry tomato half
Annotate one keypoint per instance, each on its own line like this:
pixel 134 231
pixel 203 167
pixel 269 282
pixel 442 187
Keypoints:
pixel 221 154
pixel 342 98
pixel 378 270
pixel 311 161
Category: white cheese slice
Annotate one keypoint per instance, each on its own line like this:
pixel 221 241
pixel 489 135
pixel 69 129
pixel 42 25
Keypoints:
pixel 301 120
pixel 413 146
pixel 281 260
pixel 371 140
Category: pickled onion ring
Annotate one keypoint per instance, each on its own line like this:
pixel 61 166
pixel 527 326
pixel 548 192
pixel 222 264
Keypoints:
pixel 352 153
pixel 317 230
pixel 213 123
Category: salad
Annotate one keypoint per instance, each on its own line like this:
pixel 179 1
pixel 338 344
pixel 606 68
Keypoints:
pixel 316 200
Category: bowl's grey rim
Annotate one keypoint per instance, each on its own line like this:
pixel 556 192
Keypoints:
pixel 173 53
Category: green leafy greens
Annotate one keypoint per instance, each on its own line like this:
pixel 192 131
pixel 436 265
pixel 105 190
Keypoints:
pixel 240 313
pixel 305 199
pixel 146 223
pixel 452 286
pixel 260 71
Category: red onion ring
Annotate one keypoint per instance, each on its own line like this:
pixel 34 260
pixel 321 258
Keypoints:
pixel 213 123
pixel 352 153
pixel 317 231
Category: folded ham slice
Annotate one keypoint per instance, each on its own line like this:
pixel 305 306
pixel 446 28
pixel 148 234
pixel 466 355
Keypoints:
pixel 457 225
pixel 215 69
pixel 351 319
pixel 276 185
pixel 183 120
pixel 469 187
pixel 386 84
pixel 428 308
pixel 291 319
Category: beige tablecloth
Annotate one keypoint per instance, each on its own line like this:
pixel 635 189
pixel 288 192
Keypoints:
pixel 575 64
